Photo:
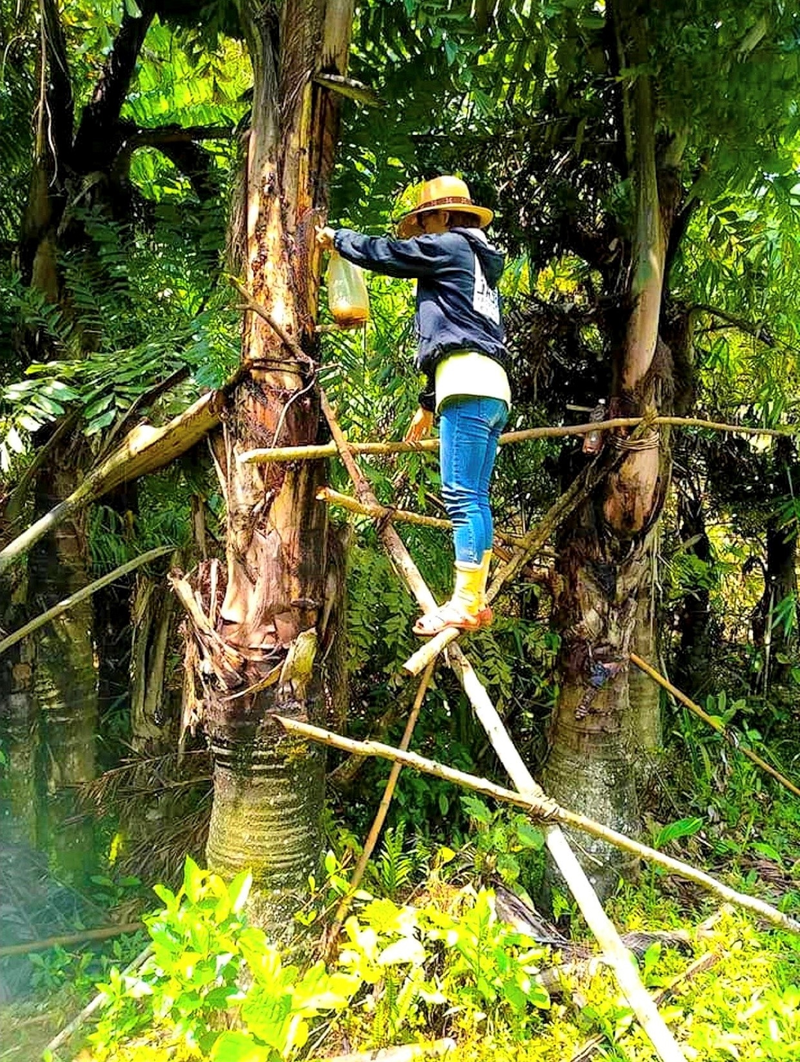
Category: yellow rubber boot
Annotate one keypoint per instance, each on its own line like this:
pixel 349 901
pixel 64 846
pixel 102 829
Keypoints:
pixel 485 613
pixel 468 588
pixel 462 610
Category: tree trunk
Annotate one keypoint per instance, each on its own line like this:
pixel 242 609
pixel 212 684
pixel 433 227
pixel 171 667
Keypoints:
pixel 644 695
pixel 153 720
pixel 602 552
pixel 65 680
pixel 694 657
pixel 19 722
pixel 775 619
pixel 264 631
pixel 590 767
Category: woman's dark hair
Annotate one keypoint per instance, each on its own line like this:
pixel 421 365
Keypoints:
pixel 460 219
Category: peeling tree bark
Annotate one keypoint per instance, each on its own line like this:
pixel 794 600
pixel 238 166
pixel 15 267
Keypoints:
pixel 256 639
pixel 153 726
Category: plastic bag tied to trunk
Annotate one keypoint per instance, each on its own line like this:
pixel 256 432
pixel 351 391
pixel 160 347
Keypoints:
pixel 347 293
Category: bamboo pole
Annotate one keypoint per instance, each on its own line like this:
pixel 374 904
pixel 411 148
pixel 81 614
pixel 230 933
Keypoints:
pixel 380 816
pixel 543 808
pixel 618 956
pixel 700 965
pixel 380 512
pixel 386 512
pixel 728 735
pixel 104 933
pixel 312 453
pixel 81 595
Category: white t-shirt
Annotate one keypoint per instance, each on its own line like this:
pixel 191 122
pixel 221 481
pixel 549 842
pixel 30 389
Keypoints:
pixel 469 373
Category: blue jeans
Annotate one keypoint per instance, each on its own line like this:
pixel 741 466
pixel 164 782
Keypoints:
pixel 469 427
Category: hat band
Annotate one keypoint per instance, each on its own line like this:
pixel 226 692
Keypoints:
pixel 447 200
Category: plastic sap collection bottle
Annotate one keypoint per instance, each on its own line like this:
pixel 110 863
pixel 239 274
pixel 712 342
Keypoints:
pixel 347 293
pixel 593 440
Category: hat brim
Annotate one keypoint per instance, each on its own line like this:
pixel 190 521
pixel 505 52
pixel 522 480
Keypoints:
pixel 409 224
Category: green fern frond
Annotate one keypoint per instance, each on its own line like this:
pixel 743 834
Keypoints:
pixel 394 868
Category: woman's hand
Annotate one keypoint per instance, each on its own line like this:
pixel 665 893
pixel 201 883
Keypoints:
pixel 325 237
pixel 420 426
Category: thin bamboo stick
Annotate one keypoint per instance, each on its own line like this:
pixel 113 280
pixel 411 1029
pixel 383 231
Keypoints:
pixel 103 933
pixel 699 966
pixel 616 953
pixel 380 816
pixel 728 735
pixel 310 453
pixel 81 595
pixel 380 512
pixel 384 512
pixel 545 809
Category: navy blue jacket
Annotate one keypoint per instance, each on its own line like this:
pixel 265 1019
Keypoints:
pixel 458 305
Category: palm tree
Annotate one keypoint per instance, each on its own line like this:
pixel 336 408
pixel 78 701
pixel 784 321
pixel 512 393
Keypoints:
pixel 257 644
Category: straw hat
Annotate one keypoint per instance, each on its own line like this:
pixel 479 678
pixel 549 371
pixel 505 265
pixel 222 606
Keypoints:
pixel 441 193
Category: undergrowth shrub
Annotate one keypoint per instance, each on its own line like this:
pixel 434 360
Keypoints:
pixel 209 967
pixel 215 987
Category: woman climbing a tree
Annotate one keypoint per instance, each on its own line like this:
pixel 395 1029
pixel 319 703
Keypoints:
pixel 462 352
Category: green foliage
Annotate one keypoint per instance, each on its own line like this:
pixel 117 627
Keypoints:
pixel 50 968
pixel 385 952
pixel 58 968
pixel 217 985
pixel 484 963
pixel 784 616
pixel 202 946
pixel 506 844
pixel 393 868
pixel 18 38
pixel 675 830
pixel 689 573
pixel 377 604
pixel 494 964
